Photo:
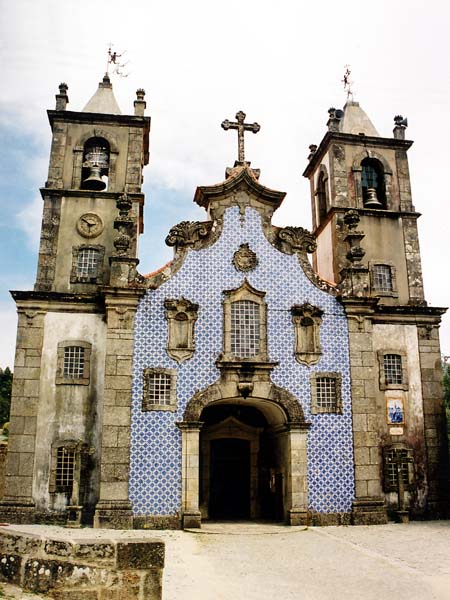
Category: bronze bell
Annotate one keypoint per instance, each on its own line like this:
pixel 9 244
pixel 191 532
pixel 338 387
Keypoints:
pixel 94 181
pixel 371 200
pixel 96 160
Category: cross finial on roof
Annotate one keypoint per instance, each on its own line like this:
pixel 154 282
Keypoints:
pixel 241 128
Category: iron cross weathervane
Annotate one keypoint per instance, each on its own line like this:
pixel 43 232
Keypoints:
pixel 241 128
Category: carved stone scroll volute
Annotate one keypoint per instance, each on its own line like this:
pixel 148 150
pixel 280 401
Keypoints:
pixel 181 315
pixel 307 320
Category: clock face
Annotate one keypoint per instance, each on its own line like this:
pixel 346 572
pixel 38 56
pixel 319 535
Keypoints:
pixel 89 225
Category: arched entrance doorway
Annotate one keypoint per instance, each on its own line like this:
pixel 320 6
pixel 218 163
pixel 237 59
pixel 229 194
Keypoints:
pixel 244 457
pixel 240 472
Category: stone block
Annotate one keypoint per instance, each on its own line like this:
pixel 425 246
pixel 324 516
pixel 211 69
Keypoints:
pixel 26 464
pixel 31 388
pixel 10 567
pixel 362 456
pixel 115 415
pixel 94 550
pixel 118 382
pixel 109 436
pixel 123 437
pixel 142 554
pixel 359 422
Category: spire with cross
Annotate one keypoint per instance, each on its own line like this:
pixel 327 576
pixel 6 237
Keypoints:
pixel 241 128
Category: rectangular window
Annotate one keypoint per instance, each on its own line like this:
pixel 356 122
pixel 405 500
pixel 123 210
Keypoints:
pixel 245 328
pixel 382 278
pixel 398 461
pixel 326 393
pixel 393 372
pixel 159 389
pixel 65 470
pixel 73 362
pixel 87 263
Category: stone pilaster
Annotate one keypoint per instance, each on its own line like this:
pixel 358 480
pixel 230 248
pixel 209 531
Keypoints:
pixel 434 421
pixel 17 504
pixel 296 484
pixel 114 509
pixel 413 261
pixel 368 506
pixel 191 515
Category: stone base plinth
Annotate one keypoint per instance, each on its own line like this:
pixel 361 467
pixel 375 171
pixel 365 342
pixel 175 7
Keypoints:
pixel 192 520
pixel 66 564
pixel 326 519
pixel 113 516
pixel 298 516
pixel 369 511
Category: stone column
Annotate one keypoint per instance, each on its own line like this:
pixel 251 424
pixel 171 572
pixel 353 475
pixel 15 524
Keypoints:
pixel 369 506
pixel 114 509
pixel 296 482
pixel 190 510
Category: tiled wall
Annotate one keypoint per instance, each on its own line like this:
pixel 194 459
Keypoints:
pixel 155 478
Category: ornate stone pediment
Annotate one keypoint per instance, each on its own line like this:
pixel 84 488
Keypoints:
pixel 307 320
pixel 189 233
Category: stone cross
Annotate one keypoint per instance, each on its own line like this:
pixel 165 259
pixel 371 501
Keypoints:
pixel 241 127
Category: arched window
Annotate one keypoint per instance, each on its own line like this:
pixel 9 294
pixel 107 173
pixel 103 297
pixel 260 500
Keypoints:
pixel 321 197
pixel 94 175
pixel 245 328
pixel 373 184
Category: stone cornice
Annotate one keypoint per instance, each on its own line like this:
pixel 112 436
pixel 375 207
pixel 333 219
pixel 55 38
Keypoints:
pixel 353 140
pixel 205 194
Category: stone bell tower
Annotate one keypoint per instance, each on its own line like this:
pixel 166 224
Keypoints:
pixel 367 244
pixel 74 346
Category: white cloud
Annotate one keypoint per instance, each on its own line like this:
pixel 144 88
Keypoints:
pixel 281 63
pixel 29 220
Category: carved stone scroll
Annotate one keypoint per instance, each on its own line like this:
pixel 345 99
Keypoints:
pixel 245 259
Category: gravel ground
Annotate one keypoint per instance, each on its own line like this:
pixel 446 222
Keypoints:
pixel 249 561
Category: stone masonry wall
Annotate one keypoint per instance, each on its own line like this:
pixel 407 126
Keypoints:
pixel 82 569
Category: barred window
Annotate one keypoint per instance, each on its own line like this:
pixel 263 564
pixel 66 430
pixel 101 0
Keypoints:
pixel 87 263
pixel 326 392
pixel 382 278
pixel 159 391
pixel 65 470
pixel 393 372
pixel 74 360
pixel 245 328
pixel 398 461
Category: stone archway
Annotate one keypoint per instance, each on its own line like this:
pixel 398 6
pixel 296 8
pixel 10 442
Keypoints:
pixel 287 425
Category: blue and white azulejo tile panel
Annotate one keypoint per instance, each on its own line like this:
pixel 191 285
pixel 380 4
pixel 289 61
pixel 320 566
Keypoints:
pixel 155 472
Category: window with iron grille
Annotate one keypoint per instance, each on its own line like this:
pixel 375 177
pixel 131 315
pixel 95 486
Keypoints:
pixel 393 371
pixel 159 389
pixel 382 278
pixel 73 362
pixel 398 461
pixel 65 470
pixel 245 328
pixel 87 264
pixel 326 393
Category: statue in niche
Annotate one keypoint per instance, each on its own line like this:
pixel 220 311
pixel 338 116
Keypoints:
pixel 307 320
pixel 181 315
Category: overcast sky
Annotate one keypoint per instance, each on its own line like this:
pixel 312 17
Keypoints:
pixel 200 62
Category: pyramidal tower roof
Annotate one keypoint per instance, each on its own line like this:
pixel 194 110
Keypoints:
pixel 103 101
pixel 356 121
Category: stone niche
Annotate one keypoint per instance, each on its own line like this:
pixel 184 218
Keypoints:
pixel 307 320
pixel 181 315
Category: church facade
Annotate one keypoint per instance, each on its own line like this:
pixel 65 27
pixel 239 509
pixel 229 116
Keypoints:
pixel 239 381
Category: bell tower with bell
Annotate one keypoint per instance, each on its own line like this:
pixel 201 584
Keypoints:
pixel 97 155
pixel 354 168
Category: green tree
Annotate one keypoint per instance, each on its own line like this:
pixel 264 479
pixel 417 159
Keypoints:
pixel 6 378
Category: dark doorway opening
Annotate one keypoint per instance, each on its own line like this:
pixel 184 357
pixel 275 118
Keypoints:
pixel 230 479
pixel 240 472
